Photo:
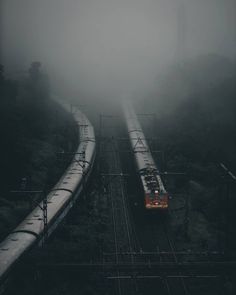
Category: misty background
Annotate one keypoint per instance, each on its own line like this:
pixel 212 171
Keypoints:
pixel 176 58
pixel 108 48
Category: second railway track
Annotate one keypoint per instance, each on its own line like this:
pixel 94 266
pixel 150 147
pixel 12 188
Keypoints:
pixel 124 240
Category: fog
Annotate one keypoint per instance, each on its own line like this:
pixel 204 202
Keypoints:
pixel 107 48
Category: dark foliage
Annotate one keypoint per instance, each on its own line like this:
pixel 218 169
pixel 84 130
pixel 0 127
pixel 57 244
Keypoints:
pixel 201 125
pixel 33 130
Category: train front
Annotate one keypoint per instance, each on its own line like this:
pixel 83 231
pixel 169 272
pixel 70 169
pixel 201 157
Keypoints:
pixel 156 197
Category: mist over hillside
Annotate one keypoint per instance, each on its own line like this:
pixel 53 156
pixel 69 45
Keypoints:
pixel 195 106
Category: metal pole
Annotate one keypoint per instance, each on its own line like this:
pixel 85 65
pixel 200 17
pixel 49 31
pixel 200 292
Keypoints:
pixel 42 207
pixel 45 218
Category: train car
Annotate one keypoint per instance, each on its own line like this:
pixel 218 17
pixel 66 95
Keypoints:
pixel 155 195
pixel 60 199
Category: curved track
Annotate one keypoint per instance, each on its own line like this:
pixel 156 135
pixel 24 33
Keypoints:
pixel 59 200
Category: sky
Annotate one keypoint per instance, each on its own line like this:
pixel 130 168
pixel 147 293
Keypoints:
pixel 107 47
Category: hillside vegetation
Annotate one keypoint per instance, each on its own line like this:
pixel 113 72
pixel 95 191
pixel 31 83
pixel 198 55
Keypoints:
pixel 201 121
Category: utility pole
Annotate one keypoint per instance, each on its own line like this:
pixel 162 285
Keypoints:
pixel 42 206
pixel 83 160
pixel 45 218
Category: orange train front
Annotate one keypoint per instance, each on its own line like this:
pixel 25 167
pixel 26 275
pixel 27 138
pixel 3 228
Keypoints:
pixel 155 195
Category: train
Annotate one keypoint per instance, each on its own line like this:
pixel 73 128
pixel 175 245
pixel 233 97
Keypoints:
pixel 60 199
pixel 155 194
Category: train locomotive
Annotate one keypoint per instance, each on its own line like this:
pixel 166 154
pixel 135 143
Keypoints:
pixel 60 199
pixel 155 195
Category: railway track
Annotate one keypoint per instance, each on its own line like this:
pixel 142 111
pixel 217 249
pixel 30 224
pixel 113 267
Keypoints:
pixel 155 235
pixel 165 243
pixel 157 246
pixel 124 239
pixel 132 240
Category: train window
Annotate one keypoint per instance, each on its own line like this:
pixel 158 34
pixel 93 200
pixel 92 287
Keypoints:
pixel 4 249
pixel 14 239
